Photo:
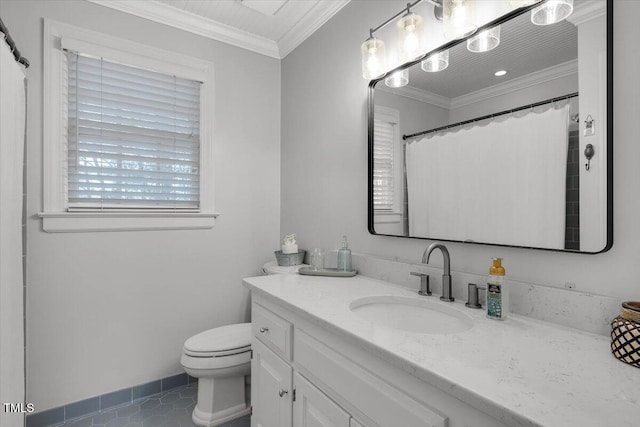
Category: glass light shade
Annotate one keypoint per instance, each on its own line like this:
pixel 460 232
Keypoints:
pixel 374 62
pixel 410 37
pixel 398 79
pixel 436 62
pixel 551 12
pixel 459 18
pixel 485 40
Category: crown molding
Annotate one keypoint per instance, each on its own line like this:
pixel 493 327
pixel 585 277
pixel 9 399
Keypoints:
pixel 419 95
pixel 165 14
pixel 562 70
pixel 586 11
pixel 308 25
pixel 187 21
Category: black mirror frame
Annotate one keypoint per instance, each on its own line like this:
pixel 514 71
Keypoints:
pixel 609 133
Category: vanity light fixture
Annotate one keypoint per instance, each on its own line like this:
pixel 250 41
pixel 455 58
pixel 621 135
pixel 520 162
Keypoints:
pixel 397 79
pixel 485 40
pixel 436 62
pixel 410 36
pixel 410 42
pixel 459 18
pixel 500 73
pixel 551 12
pixel 374 62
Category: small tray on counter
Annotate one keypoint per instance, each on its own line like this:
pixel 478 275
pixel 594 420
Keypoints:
pixel 330 272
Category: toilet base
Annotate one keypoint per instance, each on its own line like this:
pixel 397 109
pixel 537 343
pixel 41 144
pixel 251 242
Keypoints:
pixel 220 400
pixel 202 419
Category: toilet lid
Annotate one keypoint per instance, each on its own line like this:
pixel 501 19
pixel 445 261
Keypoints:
pixel 222 341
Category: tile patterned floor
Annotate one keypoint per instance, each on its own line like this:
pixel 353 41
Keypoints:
pixel 169 409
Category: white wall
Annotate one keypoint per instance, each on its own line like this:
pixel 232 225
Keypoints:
pixel 111 310
pixel 529 95
pixel 324 162
pixel 415 116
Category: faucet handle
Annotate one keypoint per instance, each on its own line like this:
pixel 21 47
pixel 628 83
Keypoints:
pixel 424 283
pixel 472 299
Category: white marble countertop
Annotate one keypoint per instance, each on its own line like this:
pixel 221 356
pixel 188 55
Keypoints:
pixel 521 371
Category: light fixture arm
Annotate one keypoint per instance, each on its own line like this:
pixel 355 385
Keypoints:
pixel 402 12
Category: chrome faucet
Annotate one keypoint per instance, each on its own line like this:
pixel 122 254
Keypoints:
pixel 446 273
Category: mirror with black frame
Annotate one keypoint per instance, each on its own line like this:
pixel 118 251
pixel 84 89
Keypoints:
pixel 509 147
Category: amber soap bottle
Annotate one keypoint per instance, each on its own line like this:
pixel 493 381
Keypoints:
pixel 497 292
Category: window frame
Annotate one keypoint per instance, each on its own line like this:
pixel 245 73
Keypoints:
pixel 394 214
pixel 55 216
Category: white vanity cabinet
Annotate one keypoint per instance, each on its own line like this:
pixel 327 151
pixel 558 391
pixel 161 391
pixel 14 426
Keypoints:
pixel 300 379
pixel 345 370
pixel 271 388
pixel 280 397
pixel 312 408
pixel 271 371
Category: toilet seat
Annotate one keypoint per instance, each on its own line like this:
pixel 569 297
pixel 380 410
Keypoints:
pixel 219 342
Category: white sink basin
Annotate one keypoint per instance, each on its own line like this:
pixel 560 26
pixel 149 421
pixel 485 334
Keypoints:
pixel 411 315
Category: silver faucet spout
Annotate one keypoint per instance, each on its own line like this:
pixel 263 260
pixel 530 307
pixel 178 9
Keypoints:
pixel 446 273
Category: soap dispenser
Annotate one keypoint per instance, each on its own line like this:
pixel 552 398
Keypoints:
pixel 344 256
pixel 497 292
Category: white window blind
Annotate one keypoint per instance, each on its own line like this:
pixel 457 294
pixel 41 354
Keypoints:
pixel 133 137
pixel 383 164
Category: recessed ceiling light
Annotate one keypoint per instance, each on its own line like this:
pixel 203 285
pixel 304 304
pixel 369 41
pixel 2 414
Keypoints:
pixel 500 73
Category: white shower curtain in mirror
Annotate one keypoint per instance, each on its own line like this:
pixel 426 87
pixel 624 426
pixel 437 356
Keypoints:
pixel 503 182
pixel 12 131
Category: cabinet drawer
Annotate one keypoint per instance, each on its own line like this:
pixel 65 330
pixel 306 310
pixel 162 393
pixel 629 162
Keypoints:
pixel 272 330
pixel 385 405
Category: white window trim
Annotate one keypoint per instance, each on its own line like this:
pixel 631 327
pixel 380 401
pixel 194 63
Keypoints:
pixel 55 217
pixel 386 216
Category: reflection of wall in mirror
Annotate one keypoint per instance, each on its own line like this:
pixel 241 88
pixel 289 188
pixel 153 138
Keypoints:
pixel 506 100
pixel 592 55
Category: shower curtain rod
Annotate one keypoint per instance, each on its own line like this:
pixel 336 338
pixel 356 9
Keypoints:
pixel 12 45
pixel 548 101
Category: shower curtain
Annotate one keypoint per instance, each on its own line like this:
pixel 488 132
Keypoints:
pixel 503 182
pixel 12 139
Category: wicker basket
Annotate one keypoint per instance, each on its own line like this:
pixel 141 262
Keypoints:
pixel 287 260
pixel 625 334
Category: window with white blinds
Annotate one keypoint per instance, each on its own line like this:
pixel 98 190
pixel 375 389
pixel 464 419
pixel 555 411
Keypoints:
pixel 133 137
pixel 384 134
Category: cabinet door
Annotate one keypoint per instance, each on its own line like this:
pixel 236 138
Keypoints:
pixel 312 408
pixel 271 388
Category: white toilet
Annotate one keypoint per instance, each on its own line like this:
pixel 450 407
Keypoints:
pixel 221 360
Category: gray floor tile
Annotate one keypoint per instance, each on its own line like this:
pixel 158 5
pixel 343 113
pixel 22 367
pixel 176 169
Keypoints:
pixel 105 417
pixel 83 422
pixel 169 409
pixel 125 411
pixel 140 416
pixel 170 397
pixel 183 403
pixel 154 421
pixel 189 392
pixel 150 404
